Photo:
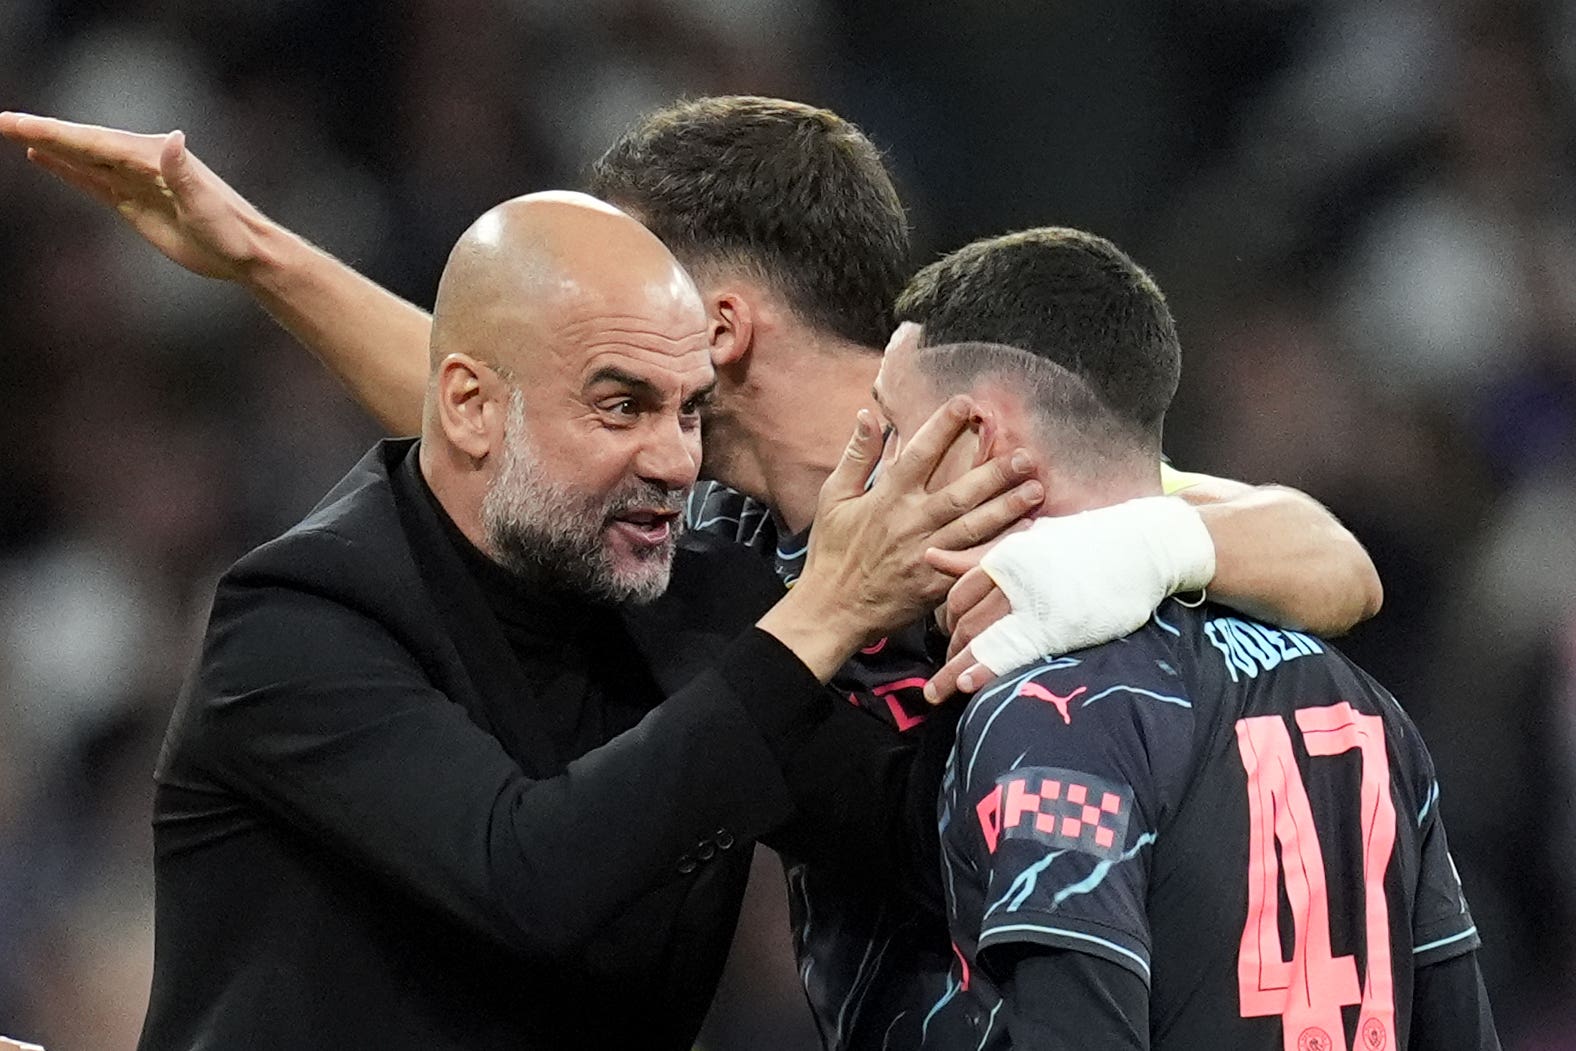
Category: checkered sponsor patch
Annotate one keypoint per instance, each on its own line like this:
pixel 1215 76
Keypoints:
pixel 1065 809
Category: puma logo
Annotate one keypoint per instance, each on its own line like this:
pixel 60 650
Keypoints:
pixel 1034 689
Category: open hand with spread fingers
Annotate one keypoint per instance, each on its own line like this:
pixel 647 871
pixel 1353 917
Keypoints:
pixel 865 574
pixel 155 183
pixel 869 541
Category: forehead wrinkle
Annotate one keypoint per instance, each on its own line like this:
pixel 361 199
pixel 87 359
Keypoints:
pixel 667 360
pixel 654 334
pixel 583 329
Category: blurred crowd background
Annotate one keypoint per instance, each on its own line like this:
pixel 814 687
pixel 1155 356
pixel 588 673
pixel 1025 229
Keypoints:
pixel 1363 213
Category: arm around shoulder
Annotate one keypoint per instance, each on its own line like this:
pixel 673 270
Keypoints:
pixel 1281 556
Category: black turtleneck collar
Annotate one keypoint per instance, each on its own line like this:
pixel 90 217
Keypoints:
pixel 521 603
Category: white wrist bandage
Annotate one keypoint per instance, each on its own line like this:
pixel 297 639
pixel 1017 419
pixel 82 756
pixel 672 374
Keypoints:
pixel 1083 579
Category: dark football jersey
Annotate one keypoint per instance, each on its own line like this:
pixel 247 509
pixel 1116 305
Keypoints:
pixel 1235 813
pixel 866 955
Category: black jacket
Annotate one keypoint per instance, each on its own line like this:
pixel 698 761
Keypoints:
pixel 347 857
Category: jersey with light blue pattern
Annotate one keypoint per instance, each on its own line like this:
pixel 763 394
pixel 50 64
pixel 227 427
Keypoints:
pixel 1097 803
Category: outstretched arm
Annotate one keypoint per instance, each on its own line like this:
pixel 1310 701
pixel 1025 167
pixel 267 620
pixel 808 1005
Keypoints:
pixel 375 342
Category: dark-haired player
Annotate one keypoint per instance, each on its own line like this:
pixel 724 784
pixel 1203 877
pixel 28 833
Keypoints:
pixel 1208 833
pixel 789 222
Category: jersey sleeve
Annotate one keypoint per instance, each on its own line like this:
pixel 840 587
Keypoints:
pixel 1442 924
pixel 1064 770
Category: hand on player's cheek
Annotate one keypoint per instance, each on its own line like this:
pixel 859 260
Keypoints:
pixel 968 450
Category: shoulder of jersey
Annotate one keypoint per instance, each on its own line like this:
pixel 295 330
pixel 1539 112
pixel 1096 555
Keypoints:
pixel 1146 666
pixel 1161 643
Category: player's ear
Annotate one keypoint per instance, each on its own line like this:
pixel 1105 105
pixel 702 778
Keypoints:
pixel 987 433
pixel 732 327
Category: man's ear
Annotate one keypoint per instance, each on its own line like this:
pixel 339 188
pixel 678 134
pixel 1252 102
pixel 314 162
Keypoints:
pixel 732 329
pixel 469 413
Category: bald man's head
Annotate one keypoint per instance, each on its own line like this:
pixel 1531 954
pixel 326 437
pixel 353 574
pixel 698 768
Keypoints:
pixel 569 356
pixel 536 263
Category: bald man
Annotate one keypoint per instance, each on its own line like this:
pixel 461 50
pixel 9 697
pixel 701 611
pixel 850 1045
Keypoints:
pixel 459 768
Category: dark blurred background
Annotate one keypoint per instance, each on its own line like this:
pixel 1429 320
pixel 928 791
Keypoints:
pixel 1362 212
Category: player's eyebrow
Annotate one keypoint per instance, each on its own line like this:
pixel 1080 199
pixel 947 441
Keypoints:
pixel 702 396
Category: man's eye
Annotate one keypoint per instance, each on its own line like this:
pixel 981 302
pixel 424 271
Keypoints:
pixel 624 407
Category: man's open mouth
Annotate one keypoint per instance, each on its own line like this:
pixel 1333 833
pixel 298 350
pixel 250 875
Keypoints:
pixel 649 526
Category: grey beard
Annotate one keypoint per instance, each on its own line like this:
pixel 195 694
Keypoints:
pixel 539 530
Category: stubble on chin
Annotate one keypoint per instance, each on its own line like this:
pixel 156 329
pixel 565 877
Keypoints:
pixel 544 532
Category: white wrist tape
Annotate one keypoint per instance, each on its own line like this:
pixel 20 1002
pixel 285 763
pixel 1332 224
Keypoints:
pixel 1083 579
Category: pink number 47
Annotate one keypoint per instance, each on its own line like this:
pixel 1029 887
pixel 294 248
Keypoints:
pixel 1309 989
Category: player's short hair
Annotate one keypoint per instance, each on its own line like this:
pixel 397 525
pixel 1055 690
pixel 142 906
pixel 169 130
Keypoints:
pixel 1068 412
pixel 1066 296
pixel 793 193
